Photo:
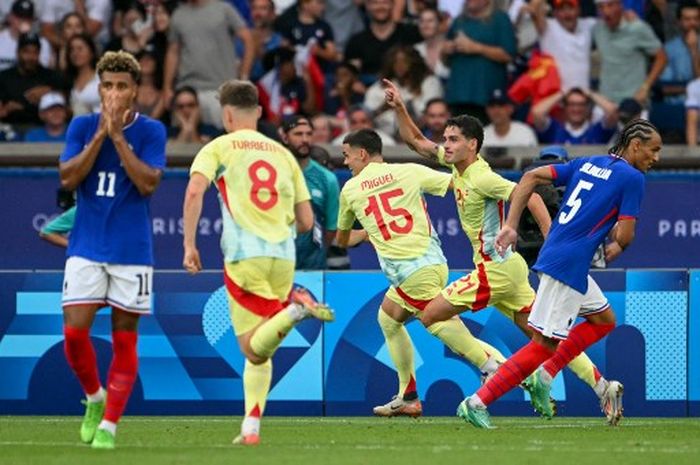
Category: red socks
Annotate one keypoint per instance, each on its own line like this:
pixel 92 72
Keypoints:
pixel 122 374
pixel 81 357
pixel 580 338
pixel 513 371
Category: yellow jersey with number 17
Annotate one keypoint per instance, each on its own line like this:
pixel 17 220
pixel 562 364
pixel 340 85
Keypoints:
pixel 259 183
pixel 387 200
pixel 480 195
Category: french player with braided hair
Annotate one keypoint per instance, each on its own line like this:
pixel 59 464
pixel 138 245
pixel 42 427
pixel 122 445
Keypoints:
pixel 603 197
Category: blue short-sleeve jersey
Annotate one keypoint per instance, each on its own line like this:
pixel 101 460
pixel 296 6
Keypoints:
pixel 599 191
pixel 113 224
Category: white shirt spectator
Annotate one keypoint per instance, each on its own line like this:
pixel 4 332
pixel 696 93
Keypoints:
pixel 53 12
pixel 87 99
pixel 431 88
pixel 8 51
pixel 692 98
pixel 571 51
pixel 519 135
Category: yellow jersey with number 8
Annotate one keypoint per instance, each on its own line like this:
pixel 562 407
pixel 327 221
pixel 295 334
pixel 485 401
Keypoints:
pixel 259 183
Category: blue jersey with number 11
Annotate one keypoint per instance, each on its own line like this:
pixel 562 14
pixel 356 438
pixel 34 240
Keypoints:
pixel 113 223
pixel 599 191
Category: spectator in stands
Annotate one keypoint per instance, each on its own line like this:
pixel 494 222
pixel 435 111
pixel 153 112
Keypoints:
pixel 434 119
pixel 480 44
pixel 53 112
pixel 367 49
pixel 95 14
pixel 323 131
pixel 149 100
pixel 23 85
pixel 628 110
pixel 577 127
pixel 158 44
pixel 625 47
pixel 309 30
pixel 359 117
pixel 345 19
pixel 692 110
pixel 567 38
pixel 312 246
pixel 433 39
pixel 683 53
pixel 71 24
pixel 186 122
pixel 283 92
pixel 19 21
pixel 82 59
pixel 136 31
pixel 347 90
pixel 404 66
pixel 201 52
pixel 503 131
pixel 265 39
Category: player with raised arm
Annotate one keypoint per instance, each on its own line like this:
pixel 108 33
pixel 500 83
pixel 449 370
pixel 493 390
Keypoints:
pixel 603 195
pixel 387 200
pixel 264 202
pixel 115 160
pixel 499 280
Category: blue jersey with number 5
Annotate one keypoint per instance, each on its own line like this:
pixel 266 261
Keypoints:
pixel 599 191
pixel 113 223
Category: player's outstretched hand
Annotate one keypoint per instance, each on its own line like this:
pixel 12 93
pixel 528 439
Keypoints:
pixel 507 237
pixel 191 262
pixel 392 97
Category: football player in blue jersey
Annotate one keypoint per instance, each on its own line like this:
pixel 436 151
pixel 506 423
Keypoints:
pixel 603 197
pixel 114 159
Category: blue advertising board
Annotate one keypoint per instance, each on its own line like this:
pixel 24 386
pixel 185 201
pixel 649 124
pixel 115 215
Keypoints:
pixel 668 230
pixel 190 362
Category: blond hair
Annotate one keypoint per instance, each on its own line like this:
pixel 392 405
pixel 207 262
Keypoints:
pixel 119 62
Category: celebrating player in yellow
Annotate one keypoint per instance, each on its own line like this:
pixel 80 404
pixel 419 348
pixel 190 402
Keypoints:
pixel 264 201
pixel 387 200
pixel 480 194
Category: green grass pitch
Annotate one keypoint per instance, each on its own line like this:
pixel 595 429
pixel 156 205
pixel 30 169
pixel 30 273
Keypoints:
pixel 337 441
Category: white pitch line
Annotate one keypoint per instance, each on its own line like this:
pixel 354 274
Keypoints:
pixel 436 449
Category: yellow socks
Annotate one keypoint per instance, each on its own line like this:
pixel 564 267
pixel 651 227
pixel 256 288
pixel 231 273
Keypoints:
pixel 585 369
pixel 457 337
pixel 269 335
pixel 401 350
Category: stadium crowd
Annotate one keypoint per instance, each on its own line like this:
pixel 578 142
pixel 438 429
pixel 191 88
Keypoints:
pixel 537 71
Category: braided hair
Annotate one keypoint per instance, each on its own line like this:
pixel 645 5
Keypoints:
pixel 635 129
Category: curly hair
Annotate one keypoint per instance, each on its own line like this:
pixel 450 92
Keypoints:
pixel 417 69
pixel 119 62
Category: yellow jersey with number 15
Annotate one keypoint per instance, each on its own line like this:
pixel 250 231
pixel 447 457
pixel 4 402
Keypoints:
pixel 259 183
pixel 387 200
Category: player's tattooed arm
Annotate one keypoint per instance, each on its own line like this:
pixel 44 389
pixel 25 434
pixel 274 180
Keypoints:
pixel 410 133
pixel 622 236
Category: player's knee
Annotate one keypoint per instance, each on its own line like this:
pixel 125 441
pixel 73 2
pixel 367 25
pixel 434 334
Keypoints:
pixel 252 357
pixel 388 325
pixel 606 317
